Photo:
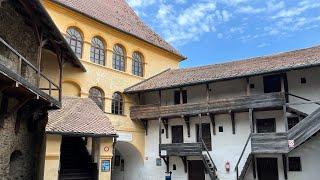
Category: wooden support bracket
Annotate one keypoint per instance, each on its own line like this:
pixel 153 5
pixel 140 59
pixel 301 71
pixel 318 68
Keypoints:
pixel 184 161
pixel 166 126
pixel 145 125
pixel 213 122
pixel 233 122
pixel 187 121
pixel 167 162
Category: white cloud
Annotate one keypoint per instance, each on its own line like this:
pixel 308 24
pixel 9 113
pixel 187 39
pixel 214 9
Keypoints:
pixel 250 10
pixel 140 3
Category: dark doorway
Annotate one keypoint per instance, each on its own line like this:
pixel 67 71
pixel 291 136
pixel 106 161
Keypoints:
pixel 266 125
pixel 177 134
pixel 196 170
pixel 206 135
pixel 267 168
pixel 272 83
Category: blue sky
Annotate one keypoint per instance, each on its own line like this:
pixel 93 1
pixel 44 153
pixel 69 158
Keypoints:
pixel 215 31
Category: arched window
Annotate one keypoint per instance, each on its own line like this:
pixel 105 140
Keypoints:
pixel 118 57
pixel 137 64
pixel 75 41
pixel 117 104
pixel 97 51
pixel 97 96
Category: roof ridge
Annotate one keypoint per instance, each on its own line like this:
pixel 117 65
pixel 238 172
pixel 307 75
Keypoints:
pixel 250 58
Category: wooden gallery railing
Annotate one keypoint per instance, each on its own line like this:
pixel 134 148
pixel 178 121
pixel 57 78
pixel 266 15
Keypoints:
pixel 28 71
pixel 241 156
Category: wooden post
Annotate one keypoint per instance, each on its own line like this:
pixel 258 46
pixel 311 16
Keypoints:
pixel 181 96
pixel 285 167
pixel 200 128
pixel 166 126
pixel 159 135
pixel 160 96
pixel 282 84
pixel 139 98
pixel 254 167
pixel 251 120
pixel 208 92
pixel 187 121
pixel 248 86
pixel 233 122
pixel 285 118
pixel 213 122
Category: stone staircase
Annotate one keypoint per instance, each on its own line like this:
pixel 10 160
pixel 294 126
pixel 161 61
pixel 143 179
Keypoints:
pixel 75 161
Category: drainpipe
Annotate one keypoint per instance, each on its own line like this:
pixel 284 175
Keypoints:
pixel 113 152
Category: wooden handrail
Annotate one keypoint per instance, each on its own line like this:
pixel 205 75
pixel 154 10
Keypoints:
pixel 243 150
pixel 305 99
pixel 23 60
pixel 207 151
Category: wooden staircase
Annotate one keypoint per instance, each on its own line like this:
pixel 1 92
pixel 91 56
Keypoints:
pixel 208 163
pixel 245 167
pixel 76 163
pixel 305 129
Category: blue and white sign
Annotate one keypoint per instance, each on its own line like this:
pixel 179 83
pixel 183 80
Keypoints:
pixel 105 165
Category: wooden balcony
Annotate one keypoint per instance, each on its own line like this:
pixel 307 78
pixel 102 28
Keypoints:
pixel 181 149
pixel 19 73
pixel 214 106
pixel 269 143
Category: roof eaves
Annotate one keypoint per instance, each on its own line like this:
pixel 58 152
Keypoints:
pixel 81 134
pixel 75 59
pixel 220 79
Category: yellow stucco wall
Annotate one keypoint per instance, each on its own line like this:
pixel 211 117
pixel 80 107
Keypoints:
pixel 78 83
pixel 52 159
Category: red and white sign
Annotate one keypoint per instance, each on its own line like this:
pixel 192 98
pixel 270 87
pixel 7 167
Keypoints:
pixel 291 143
pixel 106 149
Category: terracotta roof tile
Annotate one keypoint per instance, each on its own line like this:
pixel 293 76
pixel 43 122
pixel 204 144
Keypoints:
pixel 79 116
pixel 249 67
pixel 119 15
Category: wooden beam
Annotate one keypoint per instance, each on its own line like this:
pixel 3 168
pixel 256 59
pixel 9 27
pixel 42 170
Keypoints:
pixel 184 161
pixel 159 132
pixel 213 122
pixel 233 122
pixel 285 167
pixel 166 126
pixel 160 97
pixel 208 92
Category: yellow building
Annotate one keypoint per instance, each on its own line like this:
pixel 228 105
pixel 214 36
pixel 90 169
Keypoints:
pixel 118 50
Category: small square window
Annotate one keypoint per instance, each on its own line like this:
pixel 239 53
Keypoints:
pixel 220 128
pixel 303 80
pixel 162 131
pixel 294 164
pixel 251 86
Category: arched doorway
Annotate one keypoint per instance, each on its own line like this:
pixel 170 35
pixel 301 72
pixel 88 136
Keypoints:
pixel 128 162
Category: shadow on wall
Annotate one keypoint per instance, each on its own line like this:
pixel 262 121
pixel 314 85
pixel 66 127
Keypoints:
pixel 128 162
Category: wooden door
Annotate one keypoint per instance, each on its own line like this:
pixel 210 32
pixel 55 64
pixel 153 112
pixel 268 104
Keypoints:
pixel 267 168
pixel 206 135
pixel 196 170
pixel 266 125
pixel 177 134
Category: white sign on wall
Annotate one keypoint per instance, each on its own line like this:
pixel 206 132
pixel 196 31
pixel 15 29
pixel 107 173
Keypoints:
pixel 291 143
pixel 126 137
pixel 163 152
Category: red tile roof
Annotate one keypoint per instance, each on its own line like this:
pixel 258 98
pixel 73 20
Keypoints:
pixel 255 66
pixel 119 15
pixel 79 116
